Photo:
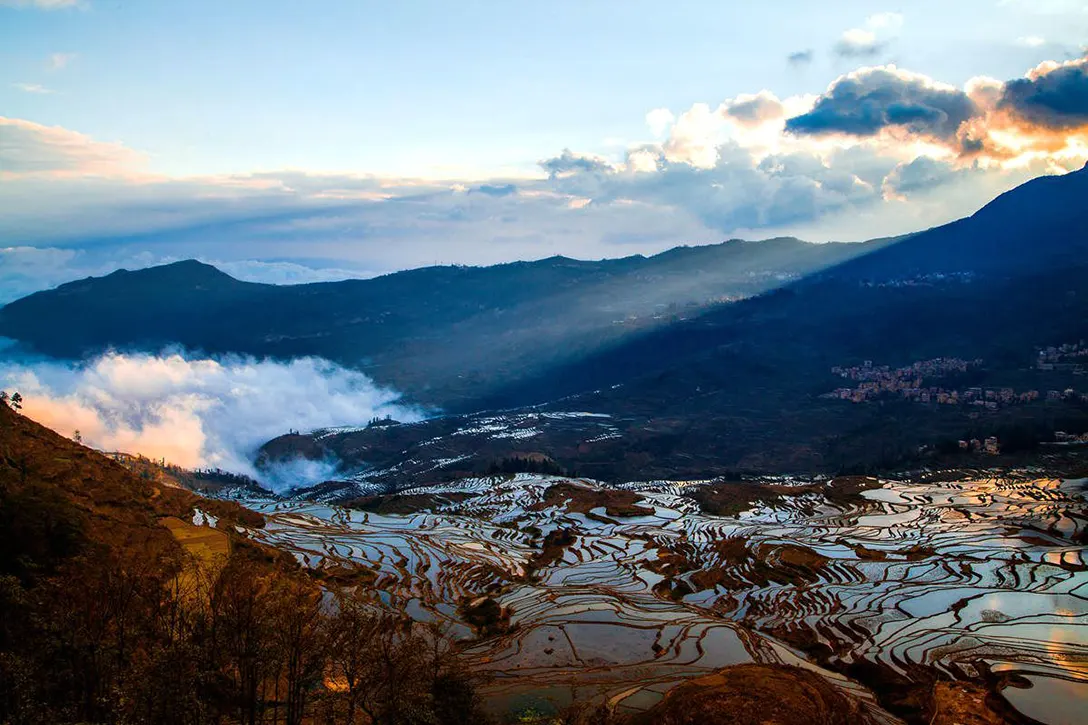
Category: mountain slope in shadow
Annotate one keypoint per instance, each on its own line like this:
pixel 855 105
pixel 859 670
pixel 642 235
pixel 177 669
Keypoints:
pixel 743 386
pixel 440 334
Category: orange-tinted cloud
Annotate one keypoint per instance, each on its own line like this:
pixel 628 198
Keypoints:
pixel 1040 117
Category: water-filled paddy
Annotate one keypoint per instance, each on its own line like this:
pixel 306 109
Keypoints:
pixel 969 579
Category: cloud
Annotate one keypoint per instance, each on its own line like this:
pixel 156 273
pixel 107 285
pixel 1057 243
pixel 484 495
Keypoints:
pixel 253 270
pixel 695 137
pixel 32 88
pixel 1040 117
pixel 60 61
pixel 24 269
pixel 28 148
pixel 1052 95
pixel 198 412
pixel 495 189
pixel 865 42
pixel 800 57
pixel 755 109
pixel 858 43
pixel 659 120
pixel 870 100
pixel 1031 41
pixel 569 162
pixel 921 174
pixel 43 4
pixel 856 161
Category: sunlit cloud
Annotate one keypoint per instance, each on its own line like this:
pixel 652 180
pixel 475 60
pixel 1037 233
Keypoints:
pixel 196 412
pixel 29 149
pixel 882 151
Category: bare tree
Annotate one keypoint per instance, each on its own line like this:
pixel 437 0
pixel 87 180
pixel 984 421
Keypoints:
pixel 298 637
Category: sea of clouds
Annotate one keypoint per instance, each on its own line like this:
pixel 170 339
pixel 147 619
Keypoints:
pixel 200 412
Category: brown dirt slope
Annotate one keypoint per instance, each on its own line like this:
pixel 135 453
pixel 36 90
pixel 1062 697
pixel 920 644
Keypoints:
pixel 756 695
pixel 116 507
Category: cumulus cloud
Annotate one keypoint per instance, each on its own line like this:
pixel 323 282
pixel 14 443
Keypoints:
pixel 755 109
pixel 841 165
pixel 1041 118
pixel 569 162
pixel 870 100
pixel 1052 95
pixel 659 121
pixel 921 174
pixel 695 137
pixel 199 412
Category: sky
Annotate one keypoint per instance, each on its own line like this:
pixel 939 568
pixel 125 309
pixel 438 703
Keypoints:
pixel 288 141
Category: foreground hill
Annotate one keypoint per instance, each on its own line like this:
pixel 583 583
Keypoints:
pixel 439 334
pixel 126 600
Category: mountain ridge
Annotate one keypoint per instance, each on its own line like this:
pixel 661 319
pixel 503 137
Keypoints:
pixel 533 313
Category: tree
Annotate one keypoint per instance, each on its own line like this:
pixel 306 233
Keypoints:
pixel 351 632
pixel 77 436
pixel 395 671
pixel 298 640
pixel 16 401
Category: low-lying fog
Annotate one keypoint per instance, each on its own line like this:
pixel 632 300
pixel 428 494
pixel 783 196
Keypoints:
pixel 199 412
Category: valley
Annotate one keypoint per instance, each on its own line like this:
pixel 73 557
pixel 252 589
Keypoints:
pixel 768 481
pixel 570 363
pixel 888 586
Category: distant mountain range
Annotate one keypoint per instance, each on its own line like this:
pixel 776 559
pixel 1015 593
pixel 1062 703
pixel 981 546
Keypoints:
pixel 439 334
pixel 708 358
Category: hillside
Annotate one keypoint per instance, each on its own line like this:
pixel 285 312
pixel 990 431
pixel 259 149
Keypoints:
pixel 699 391
pixel 118 609
pixel 747 386
pixel 440 334
pixel 127 600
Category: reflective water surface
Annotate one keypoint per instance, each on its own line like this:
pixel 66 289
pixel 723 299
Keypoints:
pixel 981 579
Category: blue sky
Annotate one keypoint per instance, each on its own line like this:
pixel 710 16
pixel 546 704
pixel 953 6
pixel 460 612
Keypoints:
pixel 349 136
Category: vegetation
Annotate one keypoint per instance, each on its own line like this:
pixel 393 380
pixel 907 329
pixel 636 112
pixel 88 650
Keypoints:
pixel 109 618
pixel 526 463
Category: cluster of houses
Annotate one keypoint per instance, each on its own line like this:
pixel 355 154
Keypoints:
pixel 925 280
pixel 989 445
pixel 1070 357
pixel 908 383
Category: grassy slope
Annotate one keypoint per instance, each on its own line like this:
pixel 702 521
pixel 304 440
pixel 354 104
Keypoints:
pixel 113 506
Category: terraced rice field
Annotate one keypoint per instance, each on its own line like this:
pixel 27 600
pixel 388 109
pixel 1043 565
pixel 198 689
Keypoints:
pixel 983 579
